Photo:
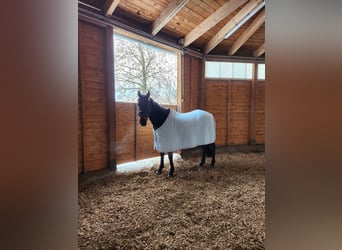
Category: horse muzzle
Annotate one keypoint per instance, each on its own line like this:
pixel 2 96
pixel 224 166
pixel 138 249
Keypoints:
pixel 143 121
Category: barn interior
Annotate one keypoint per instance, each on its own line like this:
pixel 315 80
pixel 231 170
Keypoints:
pixel 198 31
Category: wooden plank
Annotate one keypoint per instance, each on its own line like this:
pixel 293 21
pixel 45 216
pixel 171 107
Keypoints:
pixel 94 95
pixel 109 58
pixel 216 103
pixel 94 84
pixel 212 20
pixel 110 6
pixel 195 83
pixel 94 109
pixel 239 112
pixel 96 164
pixel 192 86
pixel 93 61
pixel 186 83
pixel 257 22
pixel 124 131
pixel 81 91
pixel 252 120
pixel 80 124
pixel 219 36
pixel 259 51
pixel 260 112
pixel 144 141
pixel 167 14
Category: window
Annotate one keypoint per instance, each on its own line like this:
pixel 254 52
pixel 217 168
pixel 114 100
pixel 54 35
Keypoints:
pixel 142 66
pixel 228 70
pixel 261 71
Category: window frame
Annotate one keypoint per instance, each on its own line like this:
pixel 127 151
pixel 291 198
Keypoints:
pixel 246 61
pixel 149 42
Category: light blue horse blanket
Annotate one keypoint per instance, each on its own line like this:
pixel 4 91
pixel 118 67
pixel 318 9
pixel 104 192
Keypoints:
pixel 185 130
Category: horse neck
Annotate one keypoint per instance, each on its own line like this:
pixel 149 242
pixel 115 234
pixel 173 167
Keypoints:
pixel 158 115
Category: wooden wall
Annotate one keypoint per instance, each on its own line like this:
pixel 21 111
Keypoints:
pixel 192 89
pixel 93 102
pixel 238 112
pixel 125 130
pixel 260 112
pixel 231 101
pixel 216 102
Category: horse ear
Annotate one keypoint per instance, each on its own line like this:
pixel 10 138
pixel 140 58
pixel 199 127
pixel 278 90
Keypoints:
pixel 148 94
pixel 139 94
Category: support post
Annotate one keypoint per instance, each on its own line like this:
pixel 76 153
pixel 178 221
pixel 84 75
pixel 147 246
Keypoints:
pixel 252 117
pixel 110 97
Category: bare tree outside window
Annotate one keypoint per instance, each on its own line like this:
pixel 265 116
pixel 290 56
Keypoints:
pixel 143 67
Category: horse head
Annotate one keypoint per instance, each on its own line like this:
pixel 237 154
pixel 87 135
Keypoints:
pixel 144 107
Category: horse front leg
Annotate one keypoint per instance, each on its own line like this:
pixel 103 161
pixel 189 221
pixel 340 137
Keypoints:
pixel 161 165
pixel 172 168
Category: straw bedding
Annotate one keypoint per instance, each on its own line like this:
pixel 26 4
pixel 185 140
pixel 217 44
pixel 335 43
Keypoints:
pixel 220 208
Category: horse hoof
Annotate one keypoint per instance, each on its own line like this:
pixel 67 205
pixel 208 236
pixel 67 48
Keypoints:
pixel 158 172
pixel 170 175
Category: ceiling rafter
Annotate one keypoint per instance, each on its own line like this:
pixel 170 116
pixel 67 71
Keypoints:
pixel 167 14
pixel 110 6
pixel 259 51
pixel 215 40
pixel 212 20
pixel 255 25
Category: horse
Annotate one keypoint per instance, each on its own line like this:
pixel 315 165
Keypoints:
pixel 174 131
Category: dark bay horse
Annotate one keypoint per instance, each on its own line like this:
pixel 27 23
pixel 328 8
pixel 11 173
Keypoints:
pixel 158 115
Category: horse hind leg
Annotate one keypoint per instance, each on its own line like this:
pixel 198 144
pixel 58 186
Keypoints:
pixel 172 167
pixel 204 154
pixel 212 148
pixel 208 151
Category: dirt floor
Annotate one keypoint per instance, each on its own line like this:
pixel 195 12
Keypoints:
pixel 220 208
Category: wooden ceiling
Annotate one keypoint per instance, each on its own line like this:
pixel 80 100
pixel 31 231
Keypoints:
pixel 197 25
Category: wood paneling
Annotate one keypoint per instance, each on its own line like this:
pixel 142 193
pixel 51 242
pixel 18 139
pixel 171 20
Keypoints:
pixel 145 141
pixel 124 134
pixel 239 112
pixel 80 128
pixel 230 102
pixel 204 22
pixel 192 83
pixel 260 112
pixel 216 102
pixel 94 109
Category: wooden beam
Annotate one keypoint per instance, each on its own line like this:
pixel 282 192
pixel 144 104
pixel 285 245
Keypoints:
pixel 167 14
pixel 252 113
pixel 259 51
pixel 212 20
pixel 110 6
pixel 109 86
pixel 216 39
pixel 258 21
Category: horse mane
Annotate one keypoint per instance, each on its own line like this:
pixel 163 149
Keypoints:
pixel 158 114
